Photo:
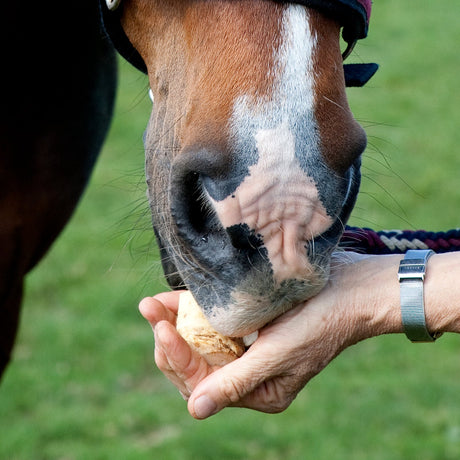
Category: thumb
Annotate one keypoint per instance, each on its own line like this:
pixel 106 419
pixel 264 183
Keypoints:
pixel 227 386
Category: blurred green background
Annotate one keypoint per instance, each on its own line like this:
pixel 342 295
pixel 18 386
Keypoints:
pixel 83 384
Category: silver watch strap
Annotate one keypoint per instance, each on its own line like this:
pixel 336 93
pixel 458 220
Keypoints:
pixel 411 275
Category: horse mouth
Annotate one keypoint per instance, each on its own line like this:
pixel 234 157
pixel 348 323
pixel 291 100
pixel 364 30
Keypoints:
pixel 229 270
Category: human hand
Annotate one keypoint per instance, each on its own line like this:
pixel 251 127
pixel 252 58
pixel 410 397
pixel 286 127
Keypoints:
pixel 289 351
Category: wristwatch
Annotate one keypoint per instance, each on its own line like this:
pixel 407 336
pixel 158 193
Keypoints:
pixel 411 275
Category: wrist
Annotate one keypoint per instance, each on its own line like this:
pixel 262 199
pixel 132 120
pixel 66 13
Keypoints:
pixel 371 287
pixel 384 297
pixel 411 276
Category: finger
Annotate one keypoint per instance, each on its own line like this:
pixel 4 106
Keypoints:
pixel 154 311
pixel 169 299
pixel 246 382
pixel 182 366
pixel 161 360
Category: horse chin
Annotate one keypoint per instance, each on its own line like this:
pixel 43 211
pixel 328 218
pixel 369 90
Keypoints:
pixel 258 301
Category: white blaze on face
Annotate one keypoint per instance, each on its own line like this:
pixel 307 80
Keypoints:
pixel 278 200
pixel 295 60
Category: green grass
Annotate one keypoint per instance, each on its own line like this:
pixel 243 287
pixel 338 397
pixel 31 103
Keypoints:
pixel 83 383
pixel 410 109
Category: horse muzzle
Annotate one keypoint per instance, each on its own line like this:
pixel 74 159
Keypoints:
pixel 250 247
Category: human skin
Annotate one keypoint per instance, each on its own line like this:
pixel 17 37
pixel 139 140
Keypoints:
pixel 361 300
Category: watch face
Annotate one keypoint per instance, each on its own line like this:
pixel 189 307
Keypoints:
pixel 413 266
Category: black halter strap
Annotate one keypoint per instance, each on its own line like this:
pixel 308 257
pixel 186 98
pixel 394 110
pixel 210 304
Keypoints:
pixel 351 14
pixel 112 26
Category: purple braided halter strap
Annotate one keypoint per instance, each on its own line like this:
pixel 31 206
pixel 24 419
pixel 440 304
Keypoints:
pixel 367 241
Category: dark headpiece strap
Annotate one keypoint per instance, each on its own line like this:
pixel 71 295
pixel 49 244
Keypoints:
pixel 114 30
pixel 353 15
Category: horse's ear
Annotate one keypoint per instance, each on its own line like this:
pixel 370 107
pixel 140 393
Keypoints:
pixel 113 4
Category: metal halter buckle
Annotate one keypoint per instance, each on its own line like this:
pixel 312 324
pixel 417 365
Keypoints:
pixel 112 4
pixel 348 49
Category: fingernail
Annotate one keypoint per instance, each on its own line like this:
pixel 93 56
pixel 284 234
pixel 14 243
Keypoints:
pixel 204 407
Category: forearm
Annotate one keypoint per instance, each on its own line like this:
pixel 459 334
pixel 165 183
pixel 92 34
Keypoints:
pixel 376 295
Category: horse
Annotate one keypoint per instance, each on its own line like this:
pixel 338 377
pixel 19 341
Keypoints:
pixel 59 81
pixel 252 151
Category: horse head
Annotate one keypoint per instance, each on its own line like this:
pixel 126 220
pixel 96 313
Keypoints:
pixel 252 152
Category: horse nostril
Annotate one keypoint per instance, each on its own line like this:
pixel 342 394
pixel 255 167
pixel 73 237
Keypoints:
pixel 190 208
pixel 197 221
pixel 196 175
pixel 198 180
pixel 218 174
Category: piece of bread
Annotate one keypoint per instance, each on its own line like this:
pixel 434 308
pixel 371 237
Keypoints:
pixel 193 326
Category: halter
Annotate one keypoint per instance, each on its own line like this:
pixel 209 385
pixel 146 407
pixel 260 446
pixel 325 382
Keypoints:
pixel 352 15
